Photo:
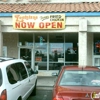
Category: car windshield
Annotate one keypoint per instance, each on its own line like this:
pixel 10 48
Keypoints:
pixel 80 78
pixel 0 78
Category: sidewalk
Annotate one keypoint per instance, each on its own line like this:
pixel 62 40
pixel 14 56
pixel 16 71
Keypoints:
pixel 46 82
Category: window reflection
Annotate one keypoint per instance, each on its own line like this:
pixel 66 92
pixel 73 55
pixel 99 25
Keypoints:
pixel 42 65
pixel 97 47
pixel 41 51
pixel 56 49
pixel 25 54
pixel 25 40
pixel 71 52
pixel 71 49
pixel 56 52
pixel 55 66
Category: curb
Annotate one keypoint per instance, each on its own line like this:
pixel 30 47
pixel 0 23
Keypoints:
pixel 44 87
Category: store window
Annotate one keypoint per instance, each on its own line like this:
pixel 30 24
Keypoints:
pixel 26 54
pixel 97 44
pixel 25 45
pixel 56 51
pixel 25 40
pixel 71 49
pixel 49 51
pixel 97 47
pixel 96 50
pixel 41 51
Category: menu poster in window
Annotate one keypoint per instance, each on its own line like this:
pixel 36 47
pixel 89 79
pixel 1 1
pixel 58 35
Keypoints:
pixel 38 59
pixel 60 59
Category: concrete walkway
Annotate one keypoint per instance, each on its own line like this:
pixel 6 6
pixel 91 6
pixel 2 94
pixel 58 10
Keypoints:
pixel 46 81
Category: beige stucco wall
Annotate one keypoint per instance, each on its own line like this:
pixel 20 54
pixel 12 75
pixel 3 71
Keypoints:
pixel 10 40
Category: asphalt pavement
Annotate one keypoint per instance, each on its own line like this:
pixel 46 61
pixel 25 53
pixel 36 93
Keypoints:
pixel 42 94
pixel 44 88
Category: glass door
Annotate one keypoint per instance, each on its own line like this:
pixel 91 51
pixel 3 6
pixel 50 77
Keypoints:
pixel 56 51
pixel 71 49
pixel 26 54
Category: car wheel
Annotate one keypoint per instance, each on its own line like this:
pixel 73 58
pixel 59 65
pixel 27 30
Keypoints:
pixel 34 90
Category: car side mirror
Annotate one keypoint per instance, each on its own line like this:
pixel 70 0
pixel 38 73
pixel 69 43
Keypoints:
pixel 54 74
pixel 35 72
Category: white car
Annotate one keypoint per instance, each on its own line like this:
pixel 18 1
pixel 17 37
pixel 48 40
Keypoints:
pixel 17 79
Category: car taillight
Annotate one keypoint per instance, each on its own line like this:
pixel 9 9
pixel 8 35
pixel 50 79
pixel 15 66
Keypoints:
pixel 3 95
pixel 57 98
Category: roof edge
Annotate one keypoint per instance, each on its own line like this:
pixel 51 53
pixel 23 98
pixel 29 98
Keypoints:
pixel 67 14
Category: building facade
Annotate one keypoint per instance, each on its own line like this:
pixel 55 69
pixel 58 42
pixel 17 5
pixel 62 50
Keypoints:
pixel 66 34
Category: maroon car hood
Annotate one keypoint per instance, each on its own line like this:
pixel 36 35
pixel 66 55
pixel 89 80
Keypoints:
pixel 77 92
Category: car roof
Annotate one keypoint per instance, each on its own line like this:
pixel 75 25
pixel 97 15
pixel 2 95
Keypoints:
pixel 76 67
pixel 8 60
pixel 2 59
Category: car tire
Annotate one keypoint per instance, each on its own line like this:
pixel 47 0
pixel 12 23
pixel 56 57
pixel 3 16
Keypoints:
pixel 34 90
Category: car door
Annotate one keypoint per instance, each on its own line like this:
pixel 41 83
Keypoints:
pixel 32 76
pixel 14 84
pixel 24 80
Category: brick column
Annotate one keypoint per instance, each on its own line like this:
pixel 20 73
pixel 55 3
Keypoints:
pixel 82 40
pixel 1 41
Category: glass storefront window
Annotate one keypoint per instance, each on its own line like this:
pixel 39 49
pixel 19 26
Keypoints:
pixel 71 53
pixel 50 51
pixel 97 61
pixel 55 66
pixel 96 39
pixel 56 51
pixel 42 65
pixel 25 39
pixel 41 51
pixel 97 47
pixel 71 49
pixel 26 54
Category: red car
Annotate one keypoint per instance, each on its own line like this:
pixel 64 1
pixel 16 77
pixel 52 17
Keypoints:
pixel 77 83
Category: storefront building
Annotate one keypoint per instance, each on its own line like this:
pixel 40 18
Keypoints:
pixel 49 35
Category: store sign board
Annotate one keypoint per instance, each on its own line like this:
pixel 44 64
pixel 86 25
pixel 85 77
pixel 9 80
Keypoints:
pixel 39 21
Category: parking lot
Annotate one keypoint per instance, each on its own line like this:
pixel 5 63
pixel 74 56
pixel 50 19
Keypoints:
pixel 44 88
pixel 43 93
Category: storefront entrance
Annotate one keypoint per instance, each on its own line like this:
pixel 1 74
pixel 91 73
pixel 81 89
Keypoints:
pixel 51 51
pixel 26 54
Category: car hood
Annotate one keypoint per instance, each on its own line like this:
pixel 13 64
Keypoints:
pixel 78 92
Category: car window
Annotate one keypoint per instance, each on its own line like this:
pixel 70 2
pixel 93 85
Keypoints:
pixel 16 72
pixel 30 71
pixel 12 74
pixel 80 78
pixel 22 70
pixel 0 77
